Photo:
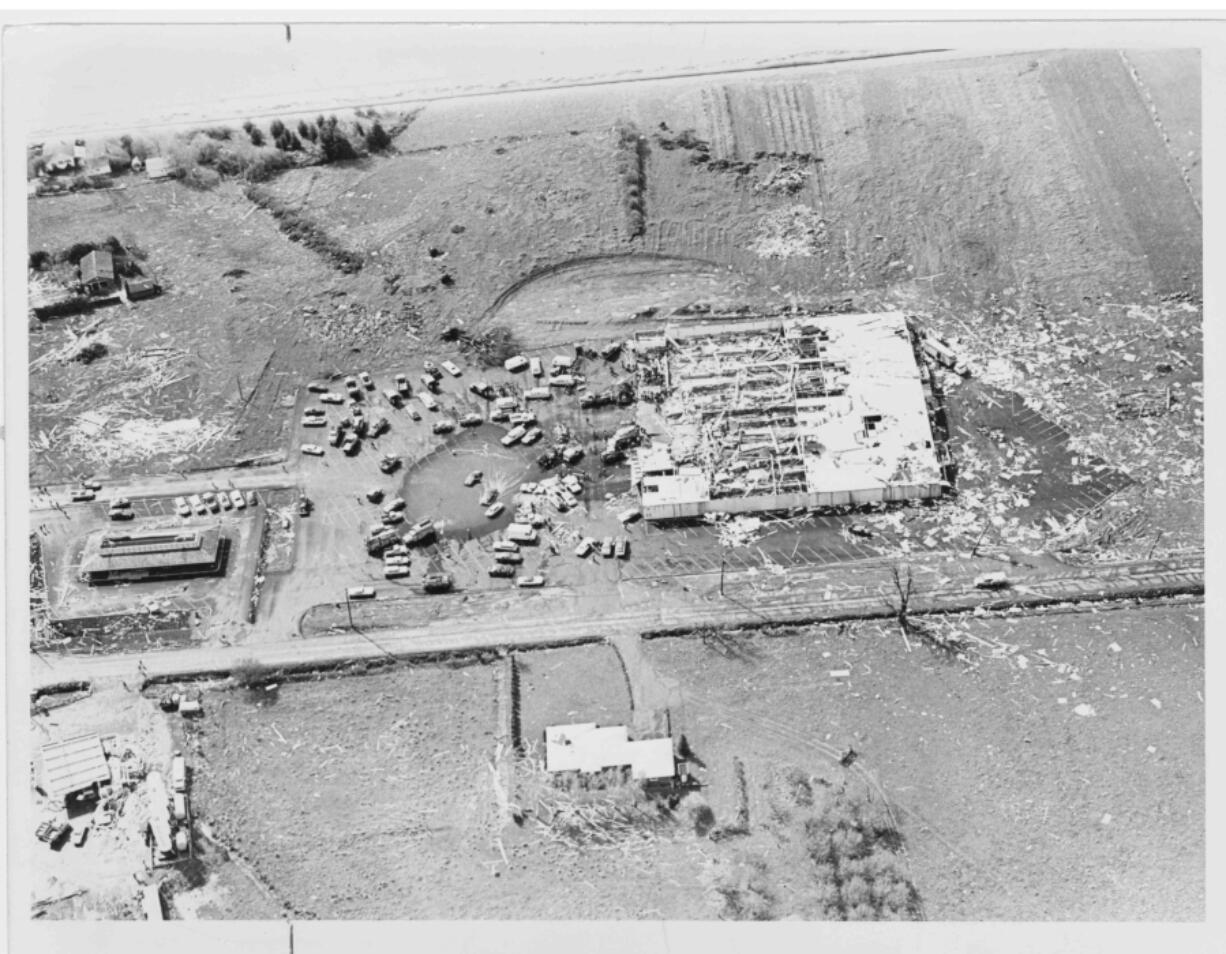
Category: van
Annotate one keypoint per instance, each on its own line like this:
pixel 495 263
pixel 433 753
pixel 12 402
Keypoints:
pixel 534 366
pixel 180 804
pixel 428 400
pixel 521 533
pixel 516 364
pixel 393 398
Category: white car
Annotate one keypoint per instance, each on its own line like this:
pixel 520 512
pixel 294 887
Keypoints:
pixel 473 479
pixel 210 501
pixel 514 435
pixel 534 365
pixel 237 498
pixel 182 508
pixel 586 545
pixel 223 498
pixel 451 368
pixel 332 397
pixel 314 422
pixel 367 380
pixel 533 435
pixel 360 593
pixel 197 503
pixel 506 546
pixel 530 581
pixel 395 570
pixel 313 449
pixel 495 509
pixel 516 364
pixel 573 484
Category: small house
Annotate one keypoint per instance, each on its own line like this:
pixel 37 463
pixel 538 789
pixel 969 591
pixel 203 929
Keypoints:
pixel 98 273
pixel 157 167
pixel 588 748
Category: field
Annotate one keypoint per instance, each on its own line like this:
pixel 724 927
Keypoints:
pixel 1012 805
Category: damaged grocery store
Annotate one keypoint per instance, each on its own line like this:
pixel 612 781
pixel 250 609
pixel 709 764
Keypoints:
pixel 767 414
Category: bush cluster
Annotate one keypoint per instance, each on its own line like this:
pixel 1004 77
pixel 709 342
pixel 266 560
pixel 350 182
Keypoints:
pixel 632 151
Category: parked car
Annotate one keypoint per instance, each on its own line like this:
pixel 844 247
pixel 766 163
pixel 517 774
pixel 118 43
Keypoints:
pixel 332 398
pixel 506 403
pixel 367 380
pixel 210 501
pixel 612 456
pixel 304 505
pixel 991 581
pixel 428 400
pixel 237 498
pixel 523 417
pixel 393 397
pixel 515 364
pixel 526 582
pixel 444 425
pixel 505 546
pixel 585 547
pixel 381 426
pixel 198 504
pixel 514 435
pixel 335 436
pixel 317 387
pixel 375 495
pixel 572 454
pixel 451 368
pixel 482 389
pixel 420 532
pixel 563 381
pixel 314 412
pixel 501 570
pixel 471 419
pixel 402 385
pixel 414 414
pixel 395 571
pixel 392 517
pixel 538 394
pixel 397 503
pixel 429 382
pixel 621 549
pixel 431 367
pixel 532 435
pixel 573 484
pixel 182 508
pixel 351 445
pixel 511 559
pixel 314 422
pixel 90 484
pixel 389 464
pixel 522 533
pixel 535 368
pixel 548 460
pixel 488 497
pixel 360 593
pixel 121 513
pixel 495 509
pixel 859 530
pixel 473 478
pixel 351 387
pixel 607 547
pixel 82 496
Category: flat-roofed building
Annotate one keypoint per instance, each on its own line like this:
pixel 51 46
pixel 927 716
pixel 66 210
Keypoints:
pixel 73 765
pixel 111 557
pixel 589 748
pixel 768 414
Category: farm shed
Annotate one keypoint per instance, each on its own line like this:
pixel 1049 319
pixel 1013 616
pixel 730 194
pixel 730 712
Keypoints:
pixel 138 288
pixel 587 747
pixel 73 765
pixel 98 273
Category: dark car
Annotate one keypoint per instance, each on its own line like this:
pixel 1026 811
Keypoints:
pixel 612 457
pixel 381 426
pixel 389 464
pixel 304 506
pixel 512 559
pixel 437 583
pixel 551 458
pixel 502 570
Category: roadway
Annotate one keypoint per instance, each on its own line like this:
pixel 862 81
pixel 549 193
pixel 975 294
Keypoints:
pixel 579 621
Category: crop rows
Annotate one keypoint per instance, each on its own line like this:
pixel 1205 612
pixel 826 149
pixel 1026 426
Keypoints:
pixel 717 108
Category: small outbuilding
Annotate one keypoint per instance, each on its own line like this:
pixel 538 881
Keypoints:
pixel 74 765
pixel 157 167
pixel 588 748
pixel 98 273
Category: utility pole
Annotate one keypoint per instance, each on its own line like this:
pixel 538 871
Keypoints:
pixel 723 560
pixel 349 610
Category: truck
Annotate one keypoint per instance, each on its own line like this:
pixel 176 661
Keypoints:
pixel 178 773
pixel 538 394
pixel 428 400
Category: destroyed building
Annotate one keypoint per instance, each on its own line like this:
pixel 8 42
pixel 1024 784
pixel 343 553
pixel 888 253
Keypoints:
pixel 767 414
pixel 111 557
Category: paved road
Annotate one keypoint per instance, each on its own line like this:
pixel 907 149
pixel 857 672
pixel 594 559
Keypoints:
pixel 791 604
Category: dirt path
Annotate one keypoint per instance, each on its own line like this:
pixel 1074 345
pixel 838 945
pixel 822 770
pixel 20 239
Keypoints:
pixel 654 700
